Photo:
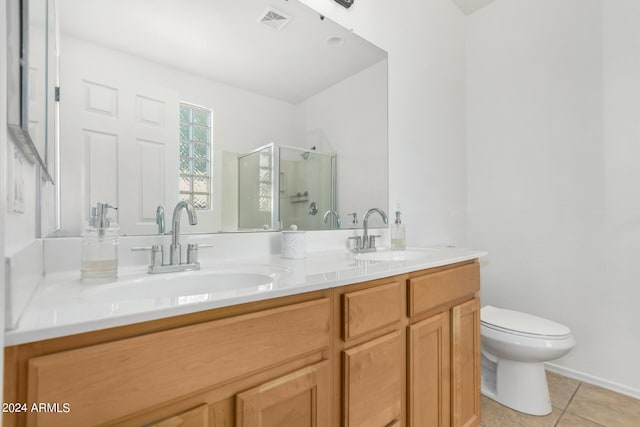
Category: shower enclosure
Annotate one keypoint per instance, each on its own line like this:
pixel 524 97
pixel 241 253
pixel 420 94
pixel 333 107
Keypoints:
pixel 279 186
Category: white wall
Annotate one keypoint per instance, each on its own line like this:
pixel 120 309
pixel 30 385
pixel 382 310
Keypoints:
pixel 20 227
pixel 552 186
pixel 621 244
pixel 427 154
pixel 362 100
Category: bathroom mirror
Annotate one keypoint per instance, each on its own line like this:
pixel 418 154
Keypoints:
pixel 27 88
pixel 160 104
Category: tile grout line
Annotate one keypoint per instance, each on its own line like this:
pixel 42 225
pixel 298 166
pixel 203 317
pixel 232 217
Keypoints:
pixel 568 403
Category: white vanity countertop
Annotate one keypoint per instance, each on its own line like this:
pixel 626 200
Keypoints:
pixel 63 305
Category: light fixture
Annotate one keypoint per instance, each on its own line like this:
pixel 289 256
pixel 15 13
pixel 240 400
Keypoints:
pixel 345 3
pixel 335 41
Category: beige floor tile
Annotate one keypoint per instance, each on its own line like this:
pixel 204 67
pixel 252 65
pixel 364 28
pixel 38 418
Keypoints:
pixel 605 407
pixel 561 389
pixel 497 415
pixel 570 420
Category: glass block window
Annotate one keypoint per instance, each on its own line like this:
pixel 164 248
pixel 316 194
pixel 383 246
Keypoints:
pixel 264 181
pixel 195 155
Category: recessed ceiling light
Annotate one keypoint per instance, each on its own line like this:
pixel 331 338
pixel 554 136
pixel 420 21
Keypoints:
pixel 335 41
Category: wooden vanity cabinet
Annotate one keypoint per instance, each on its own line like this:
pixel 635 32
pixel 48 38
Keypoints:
pixel 371 351
pixel 398 351
pixel 297 399
pixel 261 364
pixel 196 417
pixel 444 347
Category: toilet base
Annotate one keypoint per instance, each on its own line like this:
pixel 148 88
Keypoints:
pixel 517 385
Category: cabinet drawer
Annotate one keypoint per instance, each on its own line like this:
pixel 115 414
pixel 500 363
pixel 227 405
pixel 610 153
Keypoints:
pixel 107 381
pixel 370 309
pixel 434 289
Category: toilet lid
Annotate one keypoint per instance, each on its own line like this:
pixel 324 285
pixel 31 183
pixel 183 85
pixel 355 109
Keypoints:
pixel 521 322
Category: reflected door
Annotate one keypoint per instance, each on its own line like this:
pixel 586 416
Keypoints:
pixel 122 146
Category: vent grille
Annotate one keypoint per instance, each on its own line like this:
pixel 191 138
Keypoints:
pixel 274 18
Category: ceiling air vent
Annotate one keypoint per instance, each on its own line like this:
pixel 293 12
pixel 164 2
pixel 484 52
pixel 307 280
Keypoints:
pixel 274 18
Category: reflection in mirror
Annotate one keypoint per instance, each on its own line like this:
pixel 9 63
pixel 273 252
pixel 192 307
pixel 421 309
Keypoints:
pixel 283 186
pixel 163 104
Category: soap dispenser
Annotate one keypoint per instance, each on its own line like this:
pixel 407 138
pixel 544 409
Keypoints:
pixel 100 247
pixel 398 235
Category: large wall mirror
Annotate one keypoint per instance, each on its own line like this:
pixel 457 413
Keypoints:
pixel 30 77
pixel 262 113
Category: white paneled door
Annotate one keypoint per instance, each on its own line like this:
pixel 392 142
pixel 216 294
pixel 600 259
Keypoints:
pixel 120 143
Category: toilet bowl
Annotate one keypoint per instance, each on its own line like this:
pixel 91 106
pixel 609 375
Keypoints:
pixel 515 346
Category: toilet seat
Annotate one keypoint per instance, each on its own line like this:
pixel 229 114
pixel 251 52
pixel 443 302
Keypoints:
pixel 522 324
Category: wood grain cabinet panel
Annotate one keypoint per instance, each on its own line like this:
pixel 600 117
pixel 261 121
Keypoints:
pixel 371 309
pixel 431 290
pixel 196 417
pixel 430 372
pixel 373 382
pixel 108 381
pixel 300 399
pixel 465 354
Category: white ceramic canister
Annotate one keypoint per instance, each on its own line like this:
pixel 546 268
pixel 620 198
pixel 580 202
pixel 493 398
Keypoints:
pixel 293 246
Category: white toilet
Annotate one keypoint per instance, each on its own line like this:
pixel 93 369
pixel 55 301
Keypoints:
pixel 514 348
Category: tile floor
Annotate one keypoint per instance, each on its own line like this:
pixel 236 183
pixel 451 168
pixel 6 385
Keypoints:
pixel 575 404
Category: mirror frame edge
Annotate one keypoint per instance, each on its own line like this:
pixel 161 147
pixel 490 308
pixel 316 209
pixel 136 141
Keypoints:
pixel 18 72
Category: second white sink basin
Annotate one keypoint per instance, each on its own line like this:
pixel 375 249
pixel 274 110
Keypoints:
pixel 407 255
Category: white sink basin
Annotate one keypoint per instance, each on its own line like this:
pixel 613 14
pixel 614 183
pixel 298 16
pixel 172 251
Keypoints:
pixel 407 255
pixel 192 286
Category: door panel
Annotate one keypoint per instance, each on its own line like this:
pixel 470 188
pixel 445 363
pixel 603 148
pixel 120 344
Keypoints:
pixel 299 399
pixel 373 382
pixel 430 372
pixel 466 364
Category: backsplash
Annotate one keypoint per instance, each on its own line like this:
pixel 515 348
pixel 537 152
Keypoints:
pixel 26 268
pixel 63 254
pixel 23 273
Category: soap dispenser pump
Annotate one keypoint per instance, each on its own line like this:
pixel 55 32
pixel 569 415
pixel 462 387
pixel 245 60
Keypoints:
pixel 100 247
pixel 398 235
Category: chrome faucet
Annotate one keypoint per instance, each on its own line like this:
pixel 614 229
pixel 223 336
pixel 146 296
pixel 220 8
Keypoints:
pixel 328 213
pixel 367 243
pixel 160 219
pixel 175 252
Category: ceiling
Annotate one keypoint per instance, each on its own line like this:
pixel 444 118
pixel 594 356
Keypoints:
pixel 470 6
pixel 222 41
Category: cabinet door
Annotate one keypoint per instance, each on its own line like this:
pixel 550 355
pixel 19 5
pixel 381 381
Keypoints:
pixel 190 358
pixel 196 417
pixel 466 364
pixel 298 399
pixel 373 382
pixel 430 372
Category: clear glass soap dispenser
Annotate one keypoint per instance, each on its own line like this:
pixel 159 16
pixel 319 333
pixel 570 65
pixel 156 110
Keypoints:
pixel 100 247
pixel 398 235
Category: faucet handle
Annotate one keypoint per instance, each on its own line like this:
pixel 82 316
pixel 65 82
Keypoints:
pixel 192 253
pixel 372 241
pixel 157 253
pixel 358 241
